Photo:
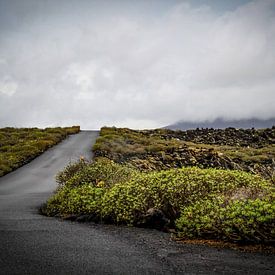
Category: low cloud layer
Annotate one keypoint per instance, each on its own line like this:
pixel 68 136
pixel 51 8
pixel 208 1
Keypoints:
pixel 136 65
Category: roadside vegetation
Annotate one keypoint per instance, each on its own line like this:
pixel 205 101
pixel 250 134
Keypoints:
pixel 157 179
pixel 19 146
pixel 150 150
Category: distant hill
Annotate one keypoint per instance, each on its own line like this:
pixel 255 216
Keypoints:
pixel 222 124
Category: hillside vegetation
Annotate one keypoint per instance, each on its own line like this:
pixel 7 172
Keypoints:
pixel 150 150
pixel 161 179
pixel 18 146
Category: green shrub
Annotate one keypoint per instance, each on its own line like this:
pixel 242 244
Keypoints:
pixel 129 194
pixel 236 220
pixel 82 199
pixel 172 190
pixel 125 203
pixel 204 203
pixel 102 172
pixel 69 171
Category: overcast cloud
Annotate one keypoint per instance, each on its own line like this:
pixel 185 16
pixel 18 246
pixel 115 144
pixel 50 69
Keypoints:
pixel 141 64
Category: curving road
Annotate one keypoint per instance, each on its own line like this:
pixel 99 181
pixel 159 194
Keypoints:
pixel 34 244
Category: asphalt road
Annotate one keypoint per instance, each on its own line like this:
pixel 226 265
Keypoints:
pixel 34 244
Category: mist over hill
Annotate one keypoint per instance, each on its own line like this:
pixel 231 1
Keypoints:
pixel 222 124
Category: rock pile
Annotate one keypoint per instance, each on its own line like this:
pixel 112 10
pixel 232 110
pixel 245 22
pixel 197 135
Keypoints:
pixel 230 136
pixel 181 157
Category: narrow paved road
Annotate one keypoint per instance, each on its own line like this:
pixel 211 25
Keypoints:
pixel 34 244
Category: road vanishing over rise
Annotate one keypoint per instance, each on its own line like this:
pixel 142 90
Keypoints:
pixel 34 244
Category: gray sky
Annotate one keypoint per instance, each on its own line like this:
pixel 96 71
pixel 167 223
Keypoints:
pixel 138 64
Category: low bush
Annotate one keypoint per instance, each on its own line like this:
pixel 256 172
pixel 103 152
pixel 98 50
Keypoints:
pixel 172 190
pixel 237 220
pixel 20 145
pixel 83 199
pixel 103 172
pixel 69 171
pixel 198 202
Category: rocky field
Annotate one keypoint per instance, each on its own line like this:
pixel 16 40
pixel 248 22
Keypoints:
pixel 249 150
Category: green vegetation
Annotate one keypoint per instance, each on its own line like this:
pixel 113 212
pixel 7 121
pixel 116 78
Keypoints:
pixel 18 146
pixel 204 187
pixel 250 220
pixel 209 203
pixel 161 149
pixel 83 183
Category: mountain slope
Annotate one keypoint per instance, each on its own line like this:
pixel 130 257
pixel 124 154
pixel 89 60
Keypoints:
pixel 220 123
